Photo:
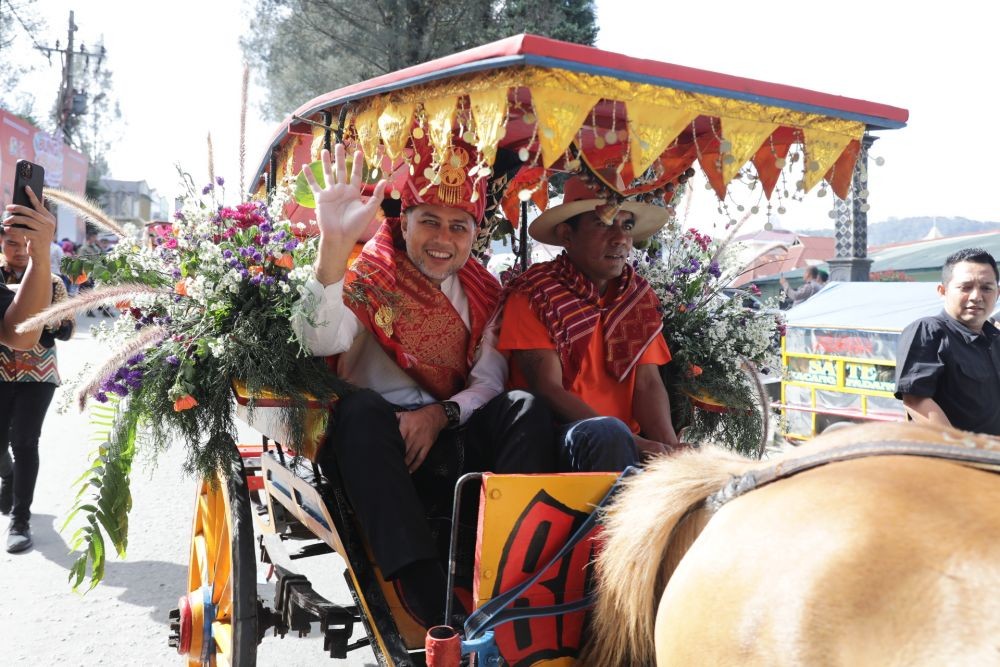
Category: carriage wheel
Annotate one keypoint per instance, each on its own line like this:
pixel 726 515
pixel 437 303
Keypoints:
pixel 216 621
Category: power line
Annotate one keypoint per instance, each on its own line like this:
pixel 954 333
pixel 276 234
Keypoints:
pixel 24 26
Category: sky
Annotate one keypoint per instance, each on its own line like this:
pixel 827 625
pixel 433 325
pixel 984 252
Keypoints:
pixel 177 69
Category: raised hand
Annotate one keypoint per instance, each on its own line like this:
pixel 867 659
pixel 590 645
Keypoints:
pixel 341 214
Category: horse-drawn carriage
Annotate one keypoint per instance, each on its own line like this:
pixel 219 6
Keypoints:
pixel 533 108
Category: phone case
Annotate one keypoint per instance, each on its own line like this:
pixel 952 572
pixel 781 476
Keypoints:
pixel 30 174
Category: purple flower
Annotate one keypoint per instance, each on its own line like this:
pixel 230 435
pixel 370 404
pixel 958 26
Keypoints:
pixel 256 279
pixel 257 257
pixel 279 235
pixel 174 360
pixel 269 280
pixel 265 239
pixel 176 273
pixel 266 227
pixel 291 245
pixel 101 397
pixel 714 269
pixel 178 215
pixel 208 188
pixel 220 180
pixel 136 359
pixel 227 253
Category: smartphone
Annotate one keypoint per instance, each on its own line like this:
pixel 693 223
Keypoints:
pixel 30 174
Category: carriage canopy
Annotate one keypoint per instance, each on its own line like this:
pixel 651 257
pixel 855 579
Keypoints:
pixel 544 105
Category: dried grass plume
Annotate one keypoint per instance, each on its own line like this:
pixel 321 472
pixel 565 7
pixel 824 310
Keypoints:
pixel 88 300
pixel 86 208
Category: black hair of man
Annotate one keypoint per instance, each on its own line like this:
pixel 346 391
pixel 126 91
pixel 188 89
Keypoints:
pixel 812 272
pixel 974 255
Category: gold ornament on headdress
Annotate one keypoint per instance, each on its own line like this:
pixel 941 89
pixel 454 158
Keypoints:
pixel 453 175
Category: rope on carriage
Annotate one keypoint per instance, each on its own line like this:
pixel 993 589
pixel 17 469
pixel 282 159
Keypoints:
pixel 985 459
pixel 495 612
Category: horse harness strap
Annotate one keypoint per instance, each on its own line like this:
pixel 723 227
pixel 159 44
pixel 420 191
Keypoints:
pixel 984 459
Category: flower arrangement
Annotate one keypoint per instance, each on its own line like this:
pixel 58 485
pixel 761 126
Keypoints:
pixel 716 343
pixel 207 304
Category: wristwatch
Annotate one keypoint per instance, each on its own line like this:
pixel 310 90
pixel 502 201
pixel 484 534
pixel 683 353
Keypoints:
pixel 452 412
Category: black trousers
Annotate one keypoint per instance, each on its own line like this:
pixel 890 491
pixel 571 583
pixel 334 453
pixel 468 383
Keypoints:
pixel 23 406
pixel 512 433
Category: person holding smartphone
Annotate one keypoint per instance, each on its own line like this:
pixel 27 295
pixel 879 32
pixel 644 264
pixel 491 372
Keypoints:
pixel 32 227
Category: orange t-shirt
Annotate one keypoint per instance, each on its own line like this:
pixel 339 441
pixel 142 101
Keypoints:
pixel 522 330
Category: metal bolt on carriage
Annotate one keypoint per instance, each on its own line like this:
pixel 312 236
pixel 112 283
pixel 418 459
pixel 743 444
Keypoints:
pixel 533 108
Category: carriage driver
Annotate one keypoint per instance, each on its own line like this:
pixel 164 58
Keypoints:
pixel 584 333
pixel 411 321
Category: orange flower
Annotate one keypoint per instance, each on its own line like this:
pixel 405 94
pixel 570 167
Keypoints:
pixel 682 308
pixel 695 370
pixel 185 402
pixel 284 261
pixel 255 269
pixel 80 279
pixel 181 288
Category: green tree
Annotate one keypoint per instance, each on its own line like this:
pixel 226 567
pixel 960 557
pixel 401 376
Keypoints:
pixel 304 48
pixel 19 27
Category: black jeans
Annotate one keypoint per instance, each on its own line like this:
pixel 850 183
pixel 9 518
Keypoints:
pixel 22 411
pixel 512 433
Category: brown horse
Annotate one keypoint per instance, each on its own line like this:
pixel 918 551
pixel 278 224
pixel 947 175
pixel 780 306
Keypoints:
pixel 880 560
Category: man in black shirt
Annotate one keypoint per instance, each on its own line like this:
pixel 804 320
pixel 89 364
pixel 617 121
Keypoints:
pixel 948 365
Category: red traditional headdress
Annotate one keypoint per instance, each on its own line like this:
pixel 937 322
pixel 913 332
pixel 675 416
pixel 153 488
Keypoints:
pixel 445 180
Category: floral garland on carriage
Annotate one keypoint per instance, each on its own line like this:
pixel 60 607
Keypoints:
pixel 206 303
pixel 719 347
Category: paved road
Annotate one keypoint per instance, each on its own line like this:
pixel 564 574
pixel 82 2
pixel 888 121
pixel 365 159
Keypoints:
pixel 124 620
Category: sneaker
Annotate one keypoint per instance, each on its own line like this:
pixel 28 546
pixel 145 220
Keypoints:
pixel 6 496
pixel 18 536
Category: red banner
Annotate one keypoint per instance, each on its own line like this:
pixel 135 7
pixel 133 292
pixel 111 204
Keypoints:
pixel 65 168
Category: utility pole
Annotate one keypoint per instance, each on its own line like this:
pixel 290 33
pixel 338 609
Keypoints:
pixel 71 103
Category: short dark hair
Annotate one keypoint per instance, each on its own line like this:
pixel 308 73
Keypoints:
pixel 823 275
pixel 812 272
pixel 974 255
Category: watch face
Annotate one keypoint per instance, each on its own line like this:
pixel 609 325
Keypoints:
pixel 452 412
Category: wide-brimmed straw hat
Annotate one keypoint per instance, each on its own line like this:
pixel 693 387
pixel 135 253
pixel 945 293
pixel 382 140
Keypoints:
pixel 579 197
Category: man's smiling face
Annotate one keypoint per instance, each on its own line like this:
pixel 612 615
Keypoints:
pixel 438 239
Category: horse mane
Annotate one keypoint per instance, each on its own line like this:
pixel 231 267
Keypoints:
pixel 658 515
pixel 647 530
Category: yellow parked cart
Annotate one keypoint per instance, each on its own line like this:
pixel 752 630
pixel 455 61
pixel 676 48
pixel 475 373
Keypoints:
pixel 838 354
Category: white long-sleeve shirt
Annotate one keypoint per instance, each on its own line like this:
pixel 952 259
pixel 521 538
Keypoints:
pixel 326 326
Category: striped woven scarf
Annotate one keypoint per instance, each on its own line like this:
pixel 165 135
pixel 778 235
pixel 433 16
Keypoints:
pixel 569 305
pixel 376 285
